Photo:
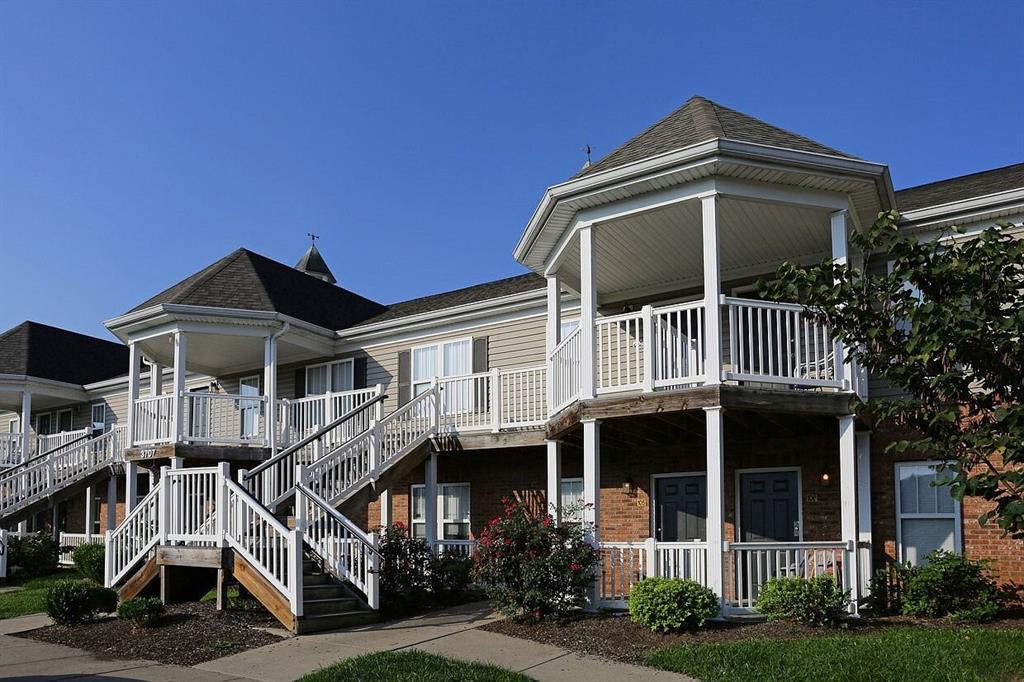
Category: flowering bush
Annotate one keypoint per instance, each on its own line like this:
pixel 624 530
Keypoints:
pixel 532 568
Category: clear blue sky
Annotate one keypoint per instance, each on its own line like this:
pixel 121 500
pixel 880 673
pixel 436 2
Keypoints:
pixel 140 141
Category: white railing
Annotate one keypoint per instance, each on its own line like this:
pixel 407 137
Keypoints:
pixel 302 417
pixel 565 364
pixel 27 483
pixel 153 420
pixel 780 343
pixel 343 471
pixel 466 402
pixel 134 539
pixel 462 548
pixel 10 449
pixel 191 506
pixel 70 541
pixel 677 336
pixel 224 418
pixel 623 564
pixel 749 565
pixel 619 352
pixel 344 549
pixel 48 443
pixel 269 547
pixel 522 397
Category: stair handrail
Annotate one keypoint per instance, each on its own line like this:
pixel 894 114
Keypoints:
pixel 118 563
pixel 298 445
pixel 55 450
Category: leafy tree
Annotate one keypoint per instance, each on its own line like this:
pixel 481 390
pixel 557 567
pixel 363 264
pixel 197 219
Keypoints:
pixel 943 320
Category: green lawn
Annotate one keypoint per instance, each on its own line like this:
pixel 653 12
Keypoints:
pixel 32 599
pixel 897 654
pixel 412 666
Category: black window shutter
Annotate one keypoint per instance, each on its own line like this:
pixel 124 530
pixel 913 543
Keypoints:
pixel 480 354
pixel 300 382
pixel 359 373
pixel 404 376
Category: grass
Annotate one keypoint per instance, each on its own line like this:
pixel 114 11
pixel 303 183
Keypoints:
pixel 32 599
pixel 411 666
pixel 897 654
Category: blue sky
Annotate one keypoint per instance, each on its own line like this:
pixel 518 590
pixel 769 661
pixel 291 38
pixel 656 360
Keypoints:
pixel 142 141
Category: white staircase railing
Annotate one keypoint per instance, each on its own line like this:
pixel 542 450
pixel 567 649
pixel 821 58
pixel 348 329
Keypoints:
pixel 344 549
pixel 10 449
pixel 49 443
pixel 134 539
pixel 565 367
pixel 340 473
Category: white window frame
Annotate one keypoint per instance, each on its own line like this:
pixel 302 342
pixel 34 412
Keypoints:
pixel 440 509
pixel 330 375
pixel 71 423
pixel 567 327
pixel 92 416
pixel 561 507
pixel 439 368
pixel 250 403
pixel 956 515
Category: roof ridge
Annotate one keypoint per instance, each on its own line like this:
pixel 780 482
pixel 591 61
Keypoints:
pixel 708 113
pixel 468 286
pixel 961 177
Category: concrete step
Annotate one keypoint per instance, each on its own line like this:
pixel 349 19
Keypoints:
pixel 328 607
pixel 323 623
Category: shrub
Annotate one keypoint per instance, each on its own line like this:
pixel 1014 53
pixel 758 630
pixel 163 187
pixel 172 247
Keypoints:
pixel 35 555
pixel 404 571
pixel 142 612
pixel 450 576
pixel 887 586
pixel 531 568
pixel 950 585
pixel 818 601
pixel 89 560
pixel 70 602
pixel 664 604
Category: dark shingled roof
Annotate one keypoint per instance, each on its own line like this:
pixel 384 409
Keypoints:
pixel 963 187
pixel 449 299
pixel 249 281
pixel 312 263
pixel 45 352
pixel 700 120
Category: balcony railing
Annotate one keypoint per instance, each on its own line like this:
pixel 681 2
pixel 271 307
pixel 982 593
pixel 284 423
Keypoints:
pixel 10 450
pixel 493 401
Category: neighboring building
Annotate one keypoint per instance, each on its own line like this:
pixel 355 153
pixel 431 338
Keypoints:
pixel 631 379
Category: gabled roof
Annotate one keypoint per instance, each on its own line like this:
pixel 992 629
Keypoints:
pixel 312 263
pixel 248 281
pixel 45 352
pixel 963 187
pixel 450 299
pixel 700 120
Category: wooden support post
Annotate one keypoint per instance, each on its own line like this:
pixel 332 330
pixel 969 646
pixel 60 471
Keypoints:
pixel 712 292
pixel 554 480
pixel 588 313
pixel 270 391
pixel 715 452
pixel 554 332
pixel 865 547
pixel 222 597
pixel 26 425
pixel 848 506
pixel 648 341
pixel 88 514
pixel 592 492
pixel 164 588
pixel 495 399
pixel 133 390
pixel 180 360
pixel 840 256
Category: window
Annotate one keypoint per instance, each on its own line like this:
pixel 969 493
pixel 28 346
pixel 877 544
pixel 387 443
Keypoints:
pixel 927 516
pixel 449 359
pixel 330 377
pixel 44 424
pixel 14 426
pixel 98 416
pixel 65 418
pixel 567 327
pixel 571 502
pixel 452 511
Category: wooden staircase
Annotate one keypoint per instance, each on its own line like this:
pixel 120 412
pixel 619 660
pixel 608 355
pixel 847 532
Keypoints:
pixel 328 604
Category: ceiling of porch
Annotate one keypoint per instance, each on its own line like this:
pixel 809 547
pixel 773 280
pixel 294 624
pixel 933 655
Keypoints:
pixel 219 354
pixel 661 251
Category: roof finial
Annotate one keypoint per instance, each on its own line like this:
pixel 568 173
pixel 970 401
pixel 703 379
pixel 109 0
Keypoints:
pixel 312 237
pixel 586 149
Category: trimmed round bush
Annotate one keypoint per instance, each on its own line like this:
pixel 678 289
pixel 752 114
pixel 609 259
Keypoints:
pixel 818 601
pixel 951 585
pixel 665 604
pixel 142 612
pixel 71 602
pixel 89 560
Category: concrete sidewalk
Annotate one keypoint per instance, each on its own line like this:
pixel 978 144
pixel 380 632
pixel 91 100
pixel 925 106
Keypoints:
pixel 448 633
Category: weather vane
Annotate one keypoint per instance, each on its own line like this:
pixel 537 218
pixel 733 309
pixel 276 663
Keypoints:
pixel 312 237
pixel 586 148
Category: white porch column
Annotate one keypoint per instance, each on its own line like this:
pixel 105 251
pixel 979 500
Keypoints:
pixel 111 503
pixel 88 513
pixel 848 503
pixel 270 390
pixel 156 379
pixel 430 499
pixel 385 507
pixel 592 492
pixel 131 486
pixel 588 312
pixel 180 358
pixel 26 424
pixel 133 389
pixel 712 292
pixel 841 256
pixel 715 451
pixel 866 548
pixel 554 331
pixel 554 493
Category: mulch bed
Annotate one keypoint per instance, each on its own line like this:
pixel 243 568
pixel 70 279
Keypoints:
pixel 188 634
pixel 615 637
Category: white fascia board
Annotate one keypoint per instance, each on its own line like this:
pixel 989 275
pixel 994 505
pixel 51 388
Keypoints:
pixel 40 386
pixel 972 205
pixel 205 319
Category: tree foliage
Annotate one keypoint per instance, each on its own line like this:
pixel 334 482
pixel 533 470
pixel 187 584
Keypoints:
pixel 940 317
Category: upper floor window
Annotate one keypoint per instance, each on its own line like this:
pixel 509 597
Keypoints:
pixel 65 420
pixel 567 327
pixel 330 377
pixel 98 416
pixel 44 424
pixel 448 359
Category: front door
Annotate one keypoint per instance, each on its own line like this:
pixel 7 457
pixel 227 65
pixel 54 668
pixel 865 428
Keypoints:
pixel 770 506
pixel 680 508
